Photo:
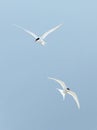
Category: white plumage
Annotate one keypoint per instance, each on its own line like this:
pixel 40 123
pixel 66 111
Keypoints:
pixel 66 90
pixel 39 39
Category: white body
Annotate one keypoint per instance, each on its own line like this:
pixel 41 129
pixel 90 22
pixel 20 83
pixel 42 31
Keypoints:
pixel 42 37
pixel 66 90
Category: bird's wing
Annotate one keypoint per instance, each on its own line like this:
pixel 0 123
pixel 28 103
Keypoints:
pixel 51 30
pixel 60 82
pixel 27 31
pixel 73 94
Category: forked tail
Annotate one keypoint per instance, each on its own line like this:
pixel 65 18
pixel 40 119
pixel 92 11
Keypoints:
pixel 42 42
pixel 62 93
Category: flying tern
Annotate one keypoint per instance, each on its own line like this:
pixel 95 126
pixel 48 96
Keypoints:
pixel 66 90
pixel 40 39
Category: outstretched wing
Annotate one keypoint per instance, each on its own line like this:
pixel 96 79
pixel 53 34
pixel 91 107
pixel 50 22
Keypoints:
pixel 60 82
pixel 51 30
pixel 27 31
pixel 73 94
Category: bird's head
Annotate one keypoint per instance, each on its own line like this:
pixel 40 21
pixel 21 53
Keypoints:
pixel 68 88
pixel 37 39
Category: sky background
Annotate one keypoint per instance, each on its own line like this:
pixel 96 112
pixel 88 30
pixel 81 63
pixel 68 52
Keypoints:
pixel 28 99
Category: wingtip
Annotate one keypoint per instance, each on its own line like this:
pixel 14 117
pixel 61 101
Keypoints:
pixel 49 77
pixel 78 107
pixel 18 26
pixel 15 25
pixel 61 24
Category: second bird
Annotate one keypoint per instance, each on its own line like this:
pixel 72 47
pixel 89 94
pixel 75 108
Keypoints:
pixel 66 90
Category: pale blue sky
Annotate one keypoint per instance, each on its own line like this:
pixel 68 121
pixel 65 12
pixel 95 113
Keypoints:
pixel 28 99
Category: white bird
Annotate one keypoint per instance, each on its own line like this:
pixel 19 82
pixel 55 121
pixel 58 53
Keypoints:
pixel 66 90
pixel 39 39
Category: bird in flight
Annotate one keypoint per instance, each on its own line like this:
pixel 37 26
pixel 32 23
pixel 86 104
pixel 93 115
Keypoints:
pixel 39 39
pixel 66 90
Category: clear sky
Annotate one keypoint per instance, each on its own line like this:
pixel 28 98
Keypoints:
pixel 28 99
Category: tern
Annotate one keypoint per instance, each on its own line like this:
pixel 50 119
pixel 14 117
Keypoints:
pixel 40 39
pixel 66 90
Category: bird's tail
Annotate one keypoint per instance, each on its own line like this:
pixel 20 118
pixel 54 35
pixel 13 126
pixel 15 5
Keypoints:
pixel 62 93
pixel 43 43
